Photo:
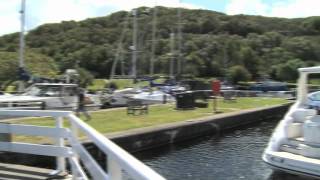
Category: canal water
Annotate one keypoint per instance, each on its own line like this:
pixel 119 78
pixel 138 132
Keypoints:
pixel 231 155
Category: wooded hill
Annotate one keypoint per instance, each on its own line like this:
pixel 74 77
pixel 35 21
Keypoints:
pixel 214 44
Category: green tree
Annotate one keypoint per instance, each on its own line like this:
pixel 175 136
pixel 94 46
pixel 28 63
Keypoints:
pixel 289 70
pixel 250 61
pixel 312 25
pixel 238 73
pixel 36 65
pixel 85 77
pixel 301 47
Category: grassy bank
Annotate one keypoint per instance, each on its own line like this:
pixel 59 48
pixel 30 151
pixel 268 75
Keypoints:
pixel 112 120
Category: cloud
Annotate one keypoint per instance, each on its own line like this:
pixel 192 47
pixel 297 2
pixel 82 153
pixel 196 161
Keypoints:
pixel 286 8
pixel 9 22
pixel 296 8
pixel 52 11
pixel 127 5
pixel 246 7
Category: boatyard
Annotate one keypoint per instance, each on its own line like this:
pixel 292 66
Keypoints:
pixel 159 90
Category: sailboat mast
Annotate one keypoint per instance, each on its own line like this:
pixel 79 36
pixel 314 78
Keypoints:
pixel 153 43
pixel 119 52
pixel 172 55
pixel 22 43
pixel 179 70
pixel 134 47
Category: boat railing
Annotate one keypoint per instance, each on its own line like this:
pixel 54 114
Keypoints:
pixel 68 146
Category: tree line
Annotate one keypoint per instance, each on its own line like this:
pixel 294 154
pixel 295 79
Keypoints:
pixel 213 44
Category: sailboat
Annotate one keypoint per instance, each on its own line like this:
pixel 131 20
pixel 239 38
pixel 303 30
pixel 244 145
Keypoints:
pixel 147 96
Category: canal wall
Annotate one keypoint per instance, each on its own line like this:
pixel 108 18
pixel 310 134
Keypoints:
pixel 151 137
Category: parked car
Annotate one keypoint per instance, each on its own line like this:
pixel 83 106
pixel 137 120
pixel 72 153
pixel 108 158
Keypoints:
pixel 269 86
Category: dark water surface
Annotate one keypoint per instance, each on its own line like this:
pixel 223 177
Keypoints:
pixel 231 155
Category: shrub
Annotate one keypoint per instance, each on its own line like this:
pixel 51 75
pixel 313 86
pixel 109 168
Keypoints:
pixel 238 73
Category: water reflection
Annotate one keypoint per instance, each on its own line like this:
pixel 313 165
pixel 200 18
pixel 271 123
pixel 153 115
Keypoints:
pixel 232 155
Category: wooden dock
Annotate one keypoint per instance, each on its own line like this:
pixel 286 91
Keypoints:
pixel 20 172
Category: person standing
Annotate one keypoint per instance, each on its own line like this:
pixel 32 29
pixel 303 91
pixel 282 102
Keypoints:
pixel 81 105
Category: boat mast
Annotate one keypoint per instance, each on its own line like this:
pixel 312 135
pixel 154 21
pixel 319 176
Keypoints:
pixel 153 44
pixel 179 70
pixel 134 47
pixel 22 43
pixel 172 55
pixel 119 52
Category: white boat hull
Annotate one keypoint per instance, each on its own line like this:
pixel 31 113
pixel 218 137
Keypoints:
pixel 49 96
pixel 295 144
pixel 156 97
pixel 291 164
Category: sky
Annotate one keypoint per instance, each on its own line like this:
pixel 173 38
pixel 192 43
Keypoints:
pixel 52 11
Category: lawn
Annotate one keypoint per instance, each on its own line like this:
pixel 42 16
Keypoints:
pixel 98 84
pixel 107 121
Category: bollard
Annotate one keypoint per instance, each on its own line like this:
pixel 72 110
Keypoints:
pixel 164 99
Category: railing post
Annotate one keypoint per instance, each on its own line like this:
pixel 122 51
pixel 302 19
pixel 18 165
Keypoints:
pixel 74 131
pixel 114 170
pixel 61 162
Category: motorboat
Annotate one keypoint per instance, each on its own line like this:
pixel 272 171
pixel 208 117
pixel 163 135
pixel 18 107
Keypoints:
pixel 295 143
pixel 154 97
pixel 49 96
pixel 172 89
pixel 120 97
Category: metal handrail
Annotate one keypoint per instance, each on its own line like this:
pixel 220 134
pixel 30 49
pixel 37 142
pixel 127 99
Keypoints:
pixel 118 159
